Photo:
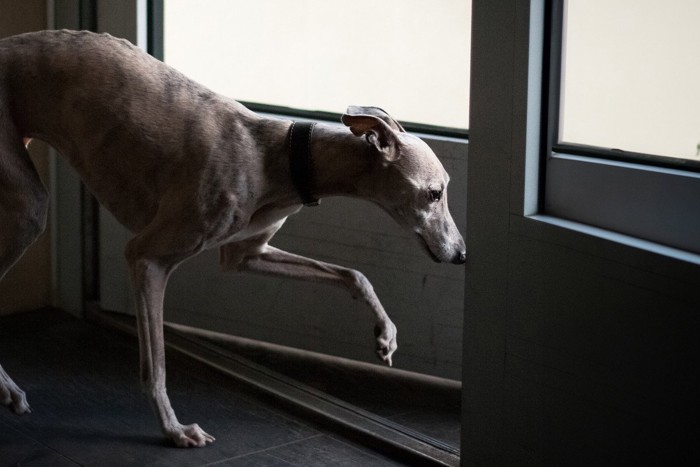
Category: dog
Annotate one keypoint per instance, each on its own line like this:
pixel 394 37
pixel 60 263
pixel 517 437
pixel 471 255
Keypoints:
pixel 185 169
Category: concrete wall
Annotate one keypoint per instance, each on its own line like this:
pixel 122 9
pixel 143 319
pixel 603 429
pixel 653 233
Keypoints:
pixel 579 349
pixel 28 285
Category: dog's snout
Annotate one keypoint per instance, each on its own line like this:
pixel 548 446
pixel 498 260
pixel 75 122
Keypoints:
pixel 460 257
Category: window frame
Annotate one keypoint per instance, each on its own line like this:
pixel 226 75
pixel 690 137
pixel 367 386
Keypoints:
pixel 576 174
pixel 555 33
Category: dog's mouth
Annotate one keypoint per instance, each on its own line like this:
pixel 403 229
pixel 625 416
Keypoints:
pixel 427 249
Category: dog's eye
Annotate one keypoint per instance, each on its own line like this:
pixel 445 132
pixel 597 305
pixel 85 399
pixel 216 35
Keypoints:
pixel 435 195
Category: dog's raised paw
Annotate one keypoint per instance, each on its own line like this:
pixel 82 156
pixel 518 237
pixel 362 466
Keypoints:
pixel 190 436
pixel 21 407
pixel 385 334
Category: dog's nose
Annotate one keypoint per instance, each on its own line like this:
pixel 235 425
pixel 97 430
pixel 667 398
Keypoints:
pixel 460 257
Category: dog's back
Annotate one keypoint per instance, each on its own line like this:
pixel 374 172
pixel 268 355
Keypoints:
pixel 92 96
pixel 48 73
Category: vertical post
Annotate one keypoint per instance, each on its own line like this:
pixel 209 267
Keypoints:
pixel 89 208
pixel 155 29
pixel 127 19
pixel 68 275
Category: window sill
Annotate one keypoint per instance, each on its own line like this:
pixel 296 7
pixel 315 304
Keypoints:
pixel 622 239
pixel 648 265
pixel 652 203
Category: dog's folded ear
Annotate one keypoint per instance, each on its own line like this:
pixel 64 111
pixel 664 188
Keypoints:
pixel 377 112
pixel 378 132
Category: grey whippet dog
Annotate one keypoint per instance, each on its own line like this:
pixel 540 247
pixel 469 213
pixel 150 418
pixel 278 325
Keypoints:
pixel 185 169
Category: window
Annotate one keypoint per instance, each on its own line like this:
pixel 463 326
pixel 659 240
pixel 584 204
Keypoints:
pixel 630 76
pixel 622 131
pixel 410 57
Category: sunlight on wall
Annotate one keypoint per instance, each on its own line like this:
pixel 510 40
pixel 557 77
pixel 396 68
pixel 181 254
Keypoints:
pixel 410 57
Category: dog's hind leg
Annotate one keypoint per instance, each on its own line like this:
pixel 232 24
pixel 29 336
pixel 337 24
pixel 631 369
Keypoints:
pixel 23 207
pixel 23 201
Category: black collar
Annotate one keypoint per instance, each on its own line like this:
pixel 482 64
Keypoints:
pixel 300 162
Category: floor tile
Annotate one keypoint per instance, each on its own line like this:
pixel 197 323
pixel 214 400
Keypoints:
pixel 320 451
pixel 18 450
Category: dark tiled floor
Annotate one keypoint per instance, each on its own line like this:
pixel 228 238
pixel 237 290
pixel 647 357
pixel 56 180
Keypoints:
pixel 82 384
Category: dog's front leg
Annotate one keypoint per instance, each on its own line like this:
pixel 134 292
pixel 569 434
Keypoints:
pixel 150 277
pixel 272 261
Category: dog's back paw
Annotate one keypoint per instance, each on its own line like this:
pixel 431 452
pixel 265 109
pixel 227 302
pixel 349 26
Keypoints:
pixel 11 395
pixel 186 436
pixel 15 399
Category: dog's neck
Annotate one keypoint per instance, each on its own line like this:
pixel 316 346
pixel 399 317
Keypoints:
pixel 340 160
pixel 341 163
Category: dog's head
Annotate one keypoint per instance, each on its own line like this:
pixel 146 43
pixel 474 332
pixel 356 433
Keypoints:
pixel 412 183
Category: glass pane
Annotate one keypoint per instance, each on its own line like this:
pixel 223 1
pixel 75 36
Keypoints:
pixel 410 57
pixel 631 76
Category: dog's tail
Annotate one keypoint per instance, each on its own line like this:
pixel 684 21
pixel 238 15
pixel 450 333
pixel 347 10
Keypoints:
pixel 26 141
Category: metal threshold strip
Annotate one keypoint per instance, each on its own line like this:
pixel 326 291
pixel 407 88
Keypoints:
pixel 377 432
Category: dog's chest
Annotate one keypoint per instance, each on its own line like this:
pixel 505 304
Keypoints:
pixel 267 219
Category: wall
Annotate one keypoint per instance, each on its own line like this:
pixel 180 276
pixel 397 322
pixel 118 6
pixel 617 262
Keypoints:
pixel 28 285
pixel 581 347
